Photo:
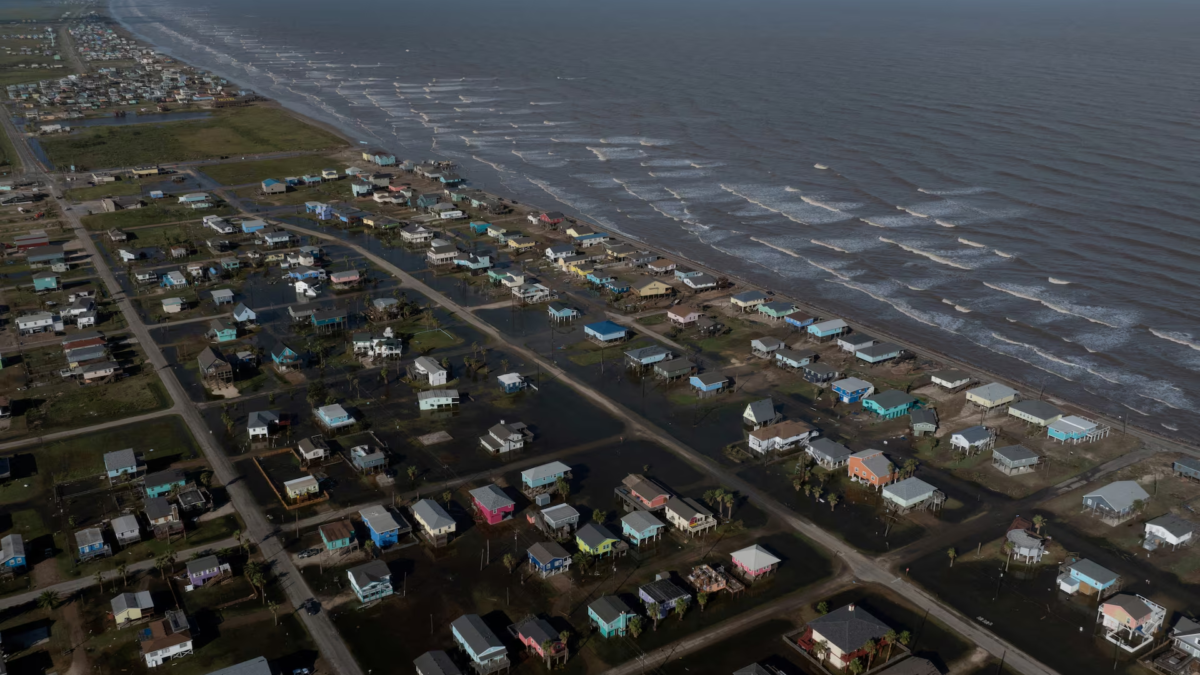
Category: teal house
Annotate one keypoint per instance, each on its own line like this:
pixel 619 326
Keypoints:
pixel 777 309
pixel 611 615
pixel 337 535
pixel 161 483
pixel 890 404
pixel 640 527
pixel 221 330
pixel 45 281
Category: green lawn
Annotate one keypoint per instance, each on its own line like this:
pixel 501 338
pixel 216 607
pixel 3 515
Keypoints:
pixel 118 189
pixel 150 215
pixel 71 406
pixel 588 354
pixel 238 131
pixel 24 75
pixel 240 173
pixel 9 161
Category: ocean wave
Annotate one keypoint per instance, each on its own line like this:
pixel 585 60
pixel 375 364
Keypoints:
pixel 932 256
pixel 1143 414
pixel 822 167
pixel 968 242
pixel 956 306
pixel 1184 339
pixel 836 248
pixel 820 204
pixel 616 153
pixel 545 103
pixel 685 173
pixel 825 268
pixel 913 213
pixel 634 140
pixel 955 192
pixel 497 167
pixel 1087 313
pixel 1059 282
pixel 668 162
pixel 1002 254
pixel 946 323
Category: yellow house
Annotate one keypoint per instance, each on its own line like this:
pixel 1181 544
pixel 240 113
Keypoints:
pixel 579 231
pixel 146 171
pixel 992 395
pixel 649 288
pixel 522 243
pixel 275 257
pixel 128 607
pixel 595 539
pixel 302 487
pixel 583 269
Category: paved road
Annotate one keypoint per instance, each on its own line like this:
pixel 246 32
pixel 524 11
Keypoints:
pixel 68 587
pixel 864 568
pixel 262 532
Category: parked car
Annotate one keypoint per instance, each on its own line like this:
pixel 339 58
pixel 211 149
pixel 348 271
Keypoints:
pixel 308 553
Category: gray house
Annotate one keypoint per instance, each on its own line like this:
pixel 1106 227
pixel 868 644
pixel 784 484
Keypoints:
pixel 829 454
pixel 1187 467
pixel 1185 636
pixel 924 422
pixel 760 413
pixel 1014 460
pixel 1115 502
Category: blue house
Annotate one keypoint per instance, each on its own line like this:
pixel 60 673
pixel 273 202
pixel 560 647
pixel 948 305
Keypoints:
pixel 383 526
pixel 883 351
pixel 890 404
pixel 827 329
pixel 12 552
pixel 381 157
pixel 371 581
pixel 611 615
pixel 591 239
pixel 337 535
pixel 272 185
pixel 479 228
pixel 329 319
pixel 120 463
pixel 708 383
pixel 173 279
pixel 221 330
pixel 615 286
pixel 45 281
pixel 546 474
pixel 1075 429
pixel 314 207
pixel 243 314
pixel 1187 467
pixel 284 356
pixel 511 383
pixel 426 201
pixel 605 332
pixel 640 527
pixel 252 226
pixel 334 416
pixel 549 558
pixel 162 482
pixel 90 544
pixel 1086 572
pixel 647 356
pixel 361 188
pixel 852 389
pixel 562 312
pixel 479 642
pixel 798 320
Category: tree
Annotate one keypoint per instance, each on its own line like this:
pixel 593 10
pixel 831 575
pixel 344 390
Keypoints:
pixel 253 572
pixel 446 497
pixel 1138 504
pixel 582 560
pixel 599 516
pixel 953 554
pixel 635 626
pixel 412 474
pixel 904 638
pixel 48 600
pixel 99 579
pixel 161 564
pixel 1038 522
pixel 855 666
pixel 820 649
pixel 547 647
pixel 910 466
pixel 833 501
pixel 729 499
pixel 274 607
pixel 564 637
pixel 890 638
pixel 822 608
pixel 564 488
pixel 123 570
pixel 206 479
pixel 680 608
pixel 504 365
pixel 510 561
pixel 702 598
pixel 817 493
pixel 71 522
pixel 808 490
pixel 870 647
pixel 369 547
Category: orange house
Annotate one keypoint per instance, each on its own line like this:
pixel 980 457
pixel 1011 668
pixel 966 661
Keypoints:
pixel 871 466
pixel 646 491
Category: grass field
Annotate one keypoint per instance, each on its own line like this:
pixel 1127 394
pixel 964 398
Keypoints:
pixel 117 189
pixel 23 75
pixel 70 406
pixel 239 131
pixel 9 160
pixel 150 215
pixel 240 173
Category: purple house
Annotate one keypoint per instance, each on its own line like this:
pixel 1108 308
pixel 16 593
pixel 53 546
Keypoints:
pixel 202 570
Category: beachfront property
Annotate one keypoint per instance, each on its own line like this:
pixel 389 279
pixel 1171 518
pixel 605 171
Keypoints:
pixel 782 436
pixel 1038 413
pixel 1085 576
pixel 844 632
pixel 765 347
pixel 852 389
pixel 640 527
pixel 776 310
pixel 794 359
pixel 333 416
pixel 435 523
pixel 549 558
pixel 827 453
pixel 487 653
pixel 1014 460
pixel 1186 467
pixel 492 504
pixel 596 540
pixel 1074 429
pixel 890 404
pixel 384 526
pixel 826 330
pixel 652 288
pixel 1130 621
pixel 379 157
pixel 748 300
pixel 991 396
pixel 610 615
pixel 884 351
pixel 661 596
pixel 973 439
pixel 852 342
pixel 760 413
pixel 1168 529
pixel 605 332
pixel 689 516
pixel 1116 502
pixel 799 320
pixel 437 399
pixel 871 467
pixel 371 581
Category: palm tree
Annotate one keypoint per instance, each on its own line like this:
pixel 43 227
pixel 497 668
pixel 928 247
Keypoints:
pixel 510 561
pixel 680 608
pixel 817 493
pixel 564 637
pixel 48 600
pixel 547 646
pixel 890 638
pixel 822 608
pixel 123 570
pixel 254 574
pixel 820 649
pixel 635 626
pixel 904 638
pixel 274 607
pixel 564 488
pixel 71 522
pixel 161 564
pixel 870 647
pixel 729 499
pixel 833 501
pixel 855 666
pixel 808 490
pixel 412 474
pixel 369 547
pixel 953 554
pixel 446 497
pixel 1038 522
pixel 599 516
pixel 702 598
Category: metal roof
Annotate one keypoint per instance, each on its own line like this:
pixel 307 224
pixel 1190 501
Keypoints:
pixel 125 524
pixel 1172 523
pixel 974 435
pixel 373 572
pixel 476 634
pixel 852 384
pixel 609 608
pixel 647 352
pixel 881 349
pixel 891 399
pixel 127 601
pixel 924 416
pixel 875 461
pixel 833 450
pixel 664 591
pixel 544 471
pixel 708 379
pixel 544 552
pixel 120 459
pixel 491 497
pixel 90 536
pixel 1036 409
pixel 909 489
pixel 168 477
pixel 436 662
pixel 593 535
pixel 762 410
pixel 433 515
pixel 157 507
pixel 993 391
pixel 755 557
pixel 560 512
pixel 1093 571
pixel 1015 453
pixel 379 519
pixel 1131 604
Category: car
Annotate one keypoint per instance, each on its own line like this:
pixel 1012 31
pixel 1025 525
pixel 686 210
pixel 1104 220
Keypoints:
pixel 308 553
pixel 301 671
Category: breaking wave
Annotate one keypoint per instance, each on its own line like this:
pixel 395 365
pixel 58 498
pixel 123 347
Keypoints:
pixel 1184 339
pixel 932 256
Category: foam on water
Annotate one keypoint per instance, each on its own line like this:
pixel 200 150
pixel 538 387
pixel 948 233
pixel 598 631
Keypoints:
pixel 912 212
pixel 1059 282
pixel 968 242
pixel 617 153
pixel 822 167
pixel 938 258
pixel 1178 338
pixel 955 192
pixel 1100 315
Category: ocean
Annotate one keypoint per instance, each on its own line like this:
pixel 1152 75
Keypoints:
pixel 1012 183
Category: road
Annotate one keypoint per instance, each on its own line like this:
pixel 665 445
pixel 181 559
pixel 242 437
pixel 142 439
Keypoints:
pixel 333 649
pixel 66 588
pixel 862 567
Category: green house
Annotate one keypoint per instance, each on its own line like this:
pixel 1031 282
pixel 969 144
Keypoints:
pixel 45 281
pixel 595 540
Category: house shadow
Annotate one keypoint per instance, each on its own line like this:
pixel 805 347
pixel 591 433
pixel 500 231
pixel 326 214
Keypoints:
pixel 37 663
pixel 305 658
pixel 499 621
pixel 27 635
pixel 207 625
pixel 41 548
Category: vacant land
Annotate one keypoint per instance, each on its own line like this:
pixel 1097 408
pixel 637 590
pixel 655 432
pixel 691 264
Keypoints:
pixel 150 215
pixel 242 131
pixel 118 189
pixel 240 173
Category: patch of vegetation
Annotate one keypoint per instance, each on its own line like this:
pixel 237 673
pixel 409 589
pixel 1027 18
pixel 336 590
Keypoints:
pixel 120 188
pixel 239 131
pixel 240 173
pixel 150 215
pixel 653 319
pixel 81 406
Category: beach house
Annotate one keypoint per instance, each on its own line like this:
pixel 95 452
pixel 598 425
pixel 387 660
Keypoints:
pixel 748 300
pixel 435 523
pixel 596 540
pixel 972 439
pixel 1038 413
pixel 549 558
pixel 1089 578
pixel 162 482
pixel 604 332
pixel 129 607
pixel 120 463
pixel 661 595
pixel 12 553
pixel 492 504
pixel 333 416
pixel 610 615
pixel 127 529
pixel 301 489
pixel 435 662
pixel 924 422
pixel 708 384
pixel 383 526
pixel 852 342
pixel 430 370
pixel 782 436
pixel 992 395
pixel 1130 621
pixel 760 413
pixel 844 632
pixel 1074 429
pixel 644 493
pixel 204 570
pixel 1116 501
pixel 777 310
pixel 852 389
pixel 1168 529
pixel 884 351
pixel 543 478
pixel 794 359
pixel 827 453
pixel 371 581
pixel 889 404
pixel 506 437
pixel 640 527
pixel 89 544
pixel 437 399
pixel 871 467
pixel 688 516
pixel 338 536
pixel 1013 460
pixel 826 330
pixel 539 638
pixel 754 562
pixel 481 645
pixel 170 638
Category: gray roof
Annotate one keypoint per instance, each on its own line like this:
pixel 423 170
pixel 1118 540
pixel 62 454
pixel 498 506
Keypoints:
pixel 1093 571
pixel 1121 494
pixel 157 507
pixel 538 629
pixel 209 356
pixel 548 550
pixel 168 477
pixel 255 666
pixel 849 627
pixel 855 339
pixel 609 608
pixel 369 573
pixel 90 536
pixel 1189 463
pixel 119 459
pixel 676 365
pixel 768 343
pixel 260 418
pixel 752 669
pixel 909 488
pixel 832 449
pixel 544 471
pixel 664 591
pixel 762 410
pixel 647 352
pixel 1025 540
pixel 125 601
pixel 13 546
pixel 125 524
pixel 1038 409
pixel 852 384
pixel 821 369
pixel 379 519
pixel 640 521
pixel 204 564
pixel 974 435
pixel 1185 627
pixel 924 416
pixel 755 557
pixel 1174 524
pixel 434 516
pixel 491 497
pixel 1131 604
pixel 881 349
pixel 560 512
pixel 437 393
pixel 710 378
pixel 476 633
pixel 593 535
pixel 750 296
pixel 892 399
pixel 1015 453
pixel 874 460
pixel 993 391
pixel 950 375
pixel 686 508
pixel 435 663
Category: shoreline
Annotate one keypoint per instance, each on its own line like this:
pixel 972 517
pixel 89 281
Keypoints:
pixel 979 372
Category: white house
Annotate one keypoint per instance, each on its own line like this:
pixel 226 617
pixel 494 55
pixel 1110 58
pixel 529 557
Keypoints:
pixel 431 370
pixel 169 639
pixel 1168 529
pixel 505 437
pixel 260 422
pixel 781 436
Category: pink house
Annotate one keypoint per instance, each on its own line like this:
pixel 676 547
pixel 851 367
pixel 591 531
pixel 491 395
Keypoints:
pixel 534 632
pixel 683 315
pixel 754 562
pixel 646 491
pixel 347 277
pixel 493 504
